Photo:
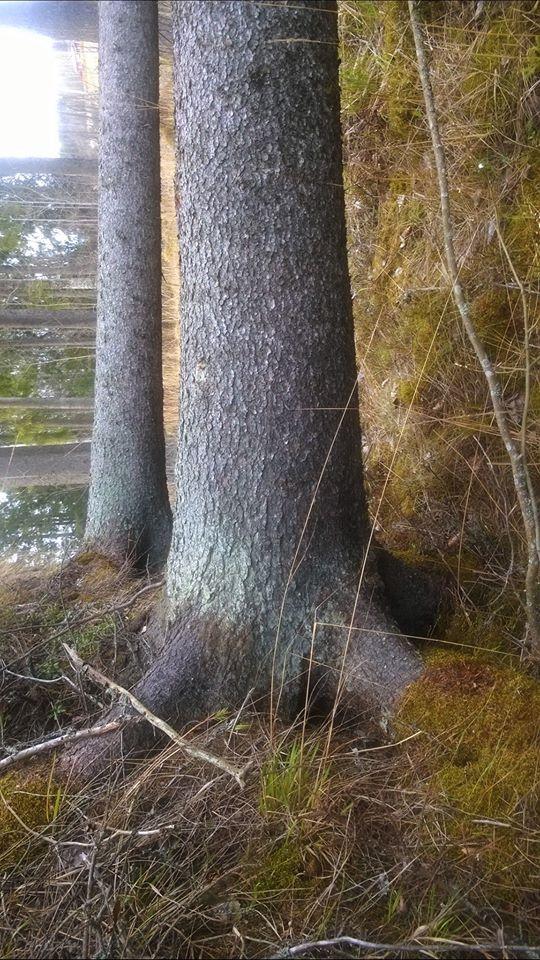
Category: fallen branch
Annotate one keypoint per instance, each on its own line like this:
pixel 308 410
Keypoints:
pixel 85 668
pixel 520 472
pixel 414 949
pixel 45 746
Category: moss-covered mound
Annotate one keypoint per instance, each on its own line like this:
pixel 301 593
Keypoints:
pixel 477 754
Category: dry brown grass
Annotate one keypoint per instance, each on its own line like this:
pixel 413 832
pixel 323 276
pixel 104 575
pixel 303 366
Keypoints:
pixel 395 843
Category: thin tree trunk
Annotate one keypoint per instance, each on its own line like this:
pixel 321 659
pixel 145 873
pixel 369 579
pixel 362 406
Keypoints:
pixel 128 510
pixel 51 166
pixel 516 454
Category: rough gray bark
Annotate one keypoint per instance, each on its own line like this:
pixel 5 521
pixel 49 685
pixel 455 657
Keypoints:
pixel 128 509
pixel 271 530
pixel 50 166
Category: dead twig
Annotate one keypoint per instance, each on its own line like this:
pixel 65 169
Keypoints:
pixel 521 476
pixel 71 736
pixel 85 668
pixel 414 949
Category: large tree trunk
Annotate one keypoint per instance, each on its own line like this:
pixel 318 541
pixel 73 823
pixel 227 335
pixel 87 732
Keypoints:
pixel 271 530
pixel 128 509
pixel 270 580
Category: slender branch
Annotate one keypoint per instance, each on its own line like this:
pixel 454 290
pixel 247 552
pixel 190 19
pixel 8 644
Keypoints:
pixel 414 949
pixel 72 736
pixel 522 480
pixel 155 721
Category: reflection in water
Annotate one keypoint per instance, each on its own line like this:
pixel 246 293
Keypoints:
pixel 40 524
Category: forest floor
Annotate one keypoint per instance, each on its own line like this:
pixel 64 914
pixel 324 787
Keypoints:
pixel 429 842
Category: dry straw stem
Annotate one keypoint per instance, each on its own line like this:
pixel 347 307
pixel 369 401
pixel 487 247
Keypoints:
pixel 520 472
pixel 157 722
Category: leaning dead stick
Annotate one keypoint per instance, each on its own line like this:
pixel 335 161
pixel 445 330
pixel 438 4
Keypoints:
pixel 523 485
pixel 193 751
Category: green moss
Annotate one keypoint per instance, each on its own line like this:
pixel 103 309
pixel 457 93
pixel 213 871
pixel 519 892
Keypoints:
pixel 28 806
pixel 494 81
pixel 521 226
pixel 281 871
pixel 493 314
pixel 360 67
pixel 478 630
pixel 479 752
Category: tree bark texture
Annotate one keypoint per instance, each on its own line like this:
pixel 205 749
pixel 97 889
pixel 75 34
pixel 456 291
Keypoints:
pixel 128 504
pixel 271 528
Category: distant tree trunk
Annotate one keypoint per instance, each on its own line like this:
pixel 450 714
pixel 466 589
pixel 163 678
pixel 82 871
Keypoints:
pixel 59 19
pixel 41 317
pixel 128 511
pixel 48 403
pixel 54 464
pixel 66 464
pixel 50 166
